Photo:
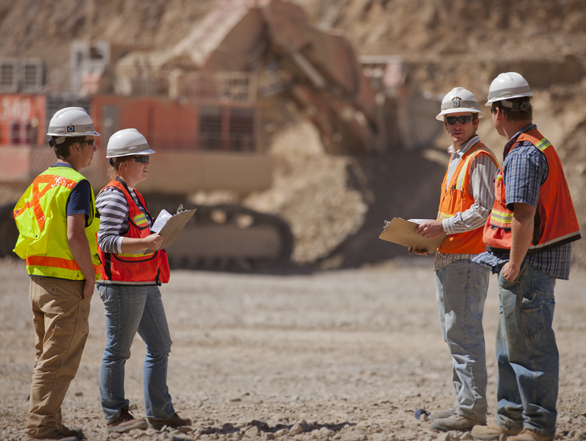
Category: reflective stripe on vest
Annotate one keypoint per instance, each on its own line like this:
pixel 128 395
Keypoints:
pixel 52 182
pixel 463 172
pixel 141 220
pixel 56 262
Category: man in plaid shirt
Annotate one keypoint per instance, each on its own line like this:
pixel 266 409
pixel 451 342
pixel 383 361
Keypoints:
pixel 529 247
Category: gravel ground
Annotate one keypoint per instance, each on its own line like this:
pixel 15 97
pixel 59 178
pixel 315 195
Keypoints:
pixel 347 355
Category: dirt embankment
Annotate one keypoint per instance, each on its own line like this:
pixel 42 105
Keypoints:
pixel 340 203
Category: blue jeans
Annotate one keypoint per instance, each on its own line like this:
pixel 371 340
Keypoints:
pixel 132 308
pixel 461 292
pixel 527 354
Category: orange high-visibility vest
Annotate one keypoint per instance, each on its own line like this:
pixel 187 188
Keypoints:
pixel 458 198
pixel 134 268
pixel 555 219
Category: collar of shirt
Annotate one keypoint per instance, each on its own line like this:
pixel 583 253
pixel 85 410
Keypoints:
pixel 62 164
pixel 460 152
pixel 513 140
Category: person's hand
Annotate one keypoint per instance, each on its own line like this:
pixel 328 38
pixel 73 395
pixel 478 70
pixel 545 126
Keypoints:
pixel 510 272
pixel 418 252
pixel 154 241
pixel 430 229
pixel 88 289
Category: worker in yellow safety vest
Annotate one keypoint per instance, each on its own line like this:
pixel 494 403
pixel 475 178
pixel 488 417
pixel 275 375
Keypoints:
pixel 58 221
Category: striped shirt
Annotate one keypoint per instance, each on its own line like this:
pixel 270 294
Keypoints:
pixel 114 211
pixel 482 172
pixel 525 170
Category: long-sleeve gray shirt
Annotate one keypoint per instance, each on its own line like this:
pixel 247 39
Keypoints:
pixel 482 174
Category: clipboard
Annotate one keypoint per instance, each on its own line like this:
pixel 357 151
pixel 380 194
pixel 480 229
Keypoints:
pixel 402 232
pixel 173 227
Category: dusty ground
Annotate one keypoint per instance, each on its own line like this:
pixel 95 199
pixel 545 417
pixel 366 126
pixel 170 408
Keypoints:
pixel 349 355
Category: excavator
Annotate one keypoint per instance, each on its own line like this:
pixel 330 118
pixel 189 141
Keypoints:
pixel 205 105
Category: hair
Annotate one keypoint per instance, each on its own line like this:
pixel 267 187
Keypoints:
pixel 515 114
pixel 116 163
pixel 63 150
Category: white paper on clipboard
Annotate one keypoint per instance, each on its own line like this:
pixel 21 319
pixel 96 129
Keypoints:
pixel 402 232
pixel 172 225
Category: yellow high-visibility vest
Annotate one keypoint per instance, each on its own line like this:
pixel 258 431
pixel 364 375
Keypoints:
pixel 41 218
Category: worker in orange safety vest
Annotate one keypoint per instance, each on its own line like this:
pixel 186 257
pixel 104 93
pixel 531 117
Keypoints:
pixel 528 237
pixel 466 197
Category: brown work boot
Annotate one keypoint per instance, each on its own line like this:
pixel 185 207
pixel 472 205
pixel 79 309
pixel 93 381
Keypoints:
pixel 438 414
pixel 491 432
pixel 529 435
pixel 174 422
pixel 52 436
pixel 454 422
pixel 125 422
pixel 66 431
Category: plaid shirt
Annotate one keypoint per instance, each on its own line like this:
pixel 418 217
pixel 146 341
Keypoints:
pixel 525 170
pixel 482 171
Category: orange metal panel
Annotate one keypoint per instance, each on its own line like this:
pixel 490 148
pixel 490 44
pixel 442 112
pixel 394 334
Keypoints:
pixel 22 116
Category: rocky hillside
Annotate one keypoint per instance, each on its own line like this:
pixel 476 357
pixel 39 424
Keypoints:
pixel 447 43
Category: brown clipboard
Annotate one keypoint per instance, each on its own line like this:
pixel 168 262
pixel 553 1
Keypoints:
pixel 173 227
pixel 403 232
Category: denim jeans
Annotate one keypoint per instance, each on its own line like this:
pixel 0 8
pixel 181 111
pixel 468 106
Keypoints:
pixel 461 292
pixel 128 309
pixel 527 354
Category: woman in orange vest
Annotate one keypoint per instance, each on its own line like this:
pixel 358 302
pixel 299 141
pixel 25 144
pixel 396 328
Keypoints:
pixel 133 267
pixel 466 197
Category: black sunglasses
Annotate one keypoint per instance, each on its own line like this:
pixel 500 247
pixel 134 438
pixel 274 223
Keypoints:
pixel 451 120
pixel 143 159
pixel 91 142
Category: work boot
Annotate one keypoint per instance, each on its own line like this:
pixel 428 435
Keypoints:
pixel 529 435
pixel 491 432
pixel 66 431
pixel 454 422
pixel 52 436
pixel 174 422
pixel 438 414
pixel 125 422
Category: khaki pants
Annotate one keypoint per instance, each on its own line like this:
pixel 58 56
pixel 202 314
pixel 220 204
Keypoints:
pixel 60 317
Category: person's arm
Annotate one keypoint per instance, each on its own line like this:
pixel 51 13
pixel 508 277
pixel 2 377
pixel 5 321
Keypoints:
pixel 152 242
pixel 522 234
pixel 524 171
pixel 80 249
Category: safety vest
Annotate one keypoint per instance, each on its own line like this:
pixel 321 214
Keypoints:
pixel 138 268
pixel 41 219
pixel 555 219
pixel 458 198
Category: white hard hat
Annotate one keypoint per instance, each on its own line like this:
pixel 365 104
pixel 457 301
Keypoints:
pixel 127 142
pixel 507 86
pixel 71 121
pixel 459 100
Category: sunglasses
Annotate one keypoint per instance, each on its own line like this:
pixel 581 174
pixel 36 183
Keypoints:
pixel 451 120
pixel 90 143
pixel 143 159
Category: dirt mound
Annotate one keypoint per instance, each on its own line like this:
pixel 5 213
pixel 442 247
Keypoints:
pixel 310 190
